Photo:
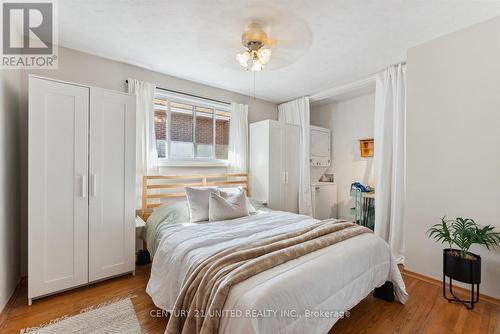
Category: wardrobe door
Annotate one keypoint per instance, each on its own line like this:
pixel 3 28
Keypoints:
pixel 111 184
pixel 292 168
pixel 276 172
pixel 57 186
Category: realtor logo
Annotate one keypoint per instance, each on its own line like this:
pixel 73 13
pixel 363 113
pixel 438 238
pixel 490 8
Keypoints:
pixel 29 35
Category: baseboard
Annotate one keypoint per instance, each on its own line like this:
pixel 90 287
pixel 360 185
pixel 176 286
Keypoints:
pixel 434 281
pixel 10 303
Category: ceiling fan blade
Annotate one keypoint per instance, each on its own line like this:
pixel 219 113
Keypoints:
pixel 271 42
pixel 289 37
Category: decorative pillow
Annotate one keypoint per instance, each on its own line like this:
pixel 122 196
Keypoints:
pixel 234 206
pixel 231 191
pixel 198 202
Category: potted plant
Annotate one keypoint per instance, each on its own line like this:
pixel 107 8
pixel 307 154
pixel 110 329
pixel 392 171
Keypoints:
pixel 458 263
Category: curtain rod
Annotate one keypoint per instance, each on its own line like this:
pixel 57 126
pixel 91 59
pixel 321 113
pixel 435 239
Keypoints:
pixel 192 95
pixel 350 86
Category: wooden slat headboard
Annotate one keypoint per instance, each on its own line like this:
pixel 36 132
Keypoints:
pixel 158 187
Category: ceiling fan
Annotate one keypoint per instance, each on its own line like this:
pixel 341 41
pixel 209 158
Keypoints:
pixel 258 48
pixel 268 32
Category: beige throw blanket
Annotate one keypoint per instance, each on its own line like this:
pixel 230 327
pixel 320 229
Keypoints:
pixel 203 294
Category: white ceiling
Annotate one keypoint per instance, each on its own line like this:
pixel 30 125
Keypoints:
pixel 337 41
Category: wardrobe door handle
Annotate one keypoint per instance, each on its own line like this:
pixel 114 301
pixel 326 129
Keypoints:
pixel 84 186
pixel 286 177
pixel 93 180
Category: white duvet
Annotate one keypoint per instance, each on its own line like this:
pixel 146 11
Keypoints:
pixel 305 295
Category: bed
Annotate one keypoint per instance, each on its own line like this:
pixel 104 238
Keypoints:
pixel 304 295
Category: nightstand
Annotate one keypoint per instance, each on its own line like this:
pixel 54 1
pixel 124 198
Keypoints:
pixel 142 255
pixel 140 224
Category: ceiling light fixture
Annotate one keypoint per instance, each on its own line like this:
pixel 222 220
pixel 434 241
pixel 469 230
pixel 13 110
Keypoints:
pixel 258 48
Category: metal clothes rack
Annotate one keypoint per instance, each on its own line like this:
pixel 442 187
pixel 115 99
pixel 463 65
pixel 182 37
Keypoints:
pixel 364 208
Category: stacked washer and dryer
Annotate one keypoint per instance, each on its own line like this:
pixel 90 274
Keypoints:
pixel 324 190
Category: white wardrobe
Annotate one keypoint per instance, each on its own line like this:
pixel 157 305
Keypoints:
pixel 274 164
pixel 81 185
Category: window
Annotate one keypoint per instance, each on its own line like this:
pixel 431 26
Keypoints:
pixel 189 128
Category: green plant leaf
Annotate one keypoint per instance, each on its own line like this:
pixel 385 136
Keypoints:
pixel 464 232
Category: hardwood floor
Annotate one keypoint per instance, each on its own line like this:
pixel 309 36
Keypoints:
pixel 425 312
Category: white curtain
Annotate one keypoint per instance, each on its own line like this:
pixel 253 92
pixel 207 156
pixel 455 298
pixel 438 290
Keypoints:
pixel 389 157
pixel 238 138
pixel 146 154
pixel 297 112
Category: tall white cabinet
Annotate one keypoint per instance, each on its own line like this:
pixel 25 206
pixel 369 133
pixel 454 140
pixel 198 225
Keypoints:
pixel 274 164
pixel 81 178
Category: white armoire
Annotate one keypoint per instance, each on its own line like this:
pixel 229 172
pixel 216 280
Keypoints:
pixel 274 164
pixel 81 185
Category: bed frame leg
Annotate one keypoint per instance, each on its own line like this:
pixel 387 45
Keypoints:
pixel 385 292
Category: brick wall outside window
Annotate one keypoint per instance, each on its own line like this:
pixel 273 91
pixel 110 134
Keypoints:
pixel 160 124
pixel 182 130
pixel 222 132
pixel 221 138
pixel 182 127
pixel 204 134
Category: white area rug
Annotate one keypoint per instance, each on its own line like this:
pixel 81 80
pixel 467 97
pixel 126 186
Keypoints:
pixel 110 317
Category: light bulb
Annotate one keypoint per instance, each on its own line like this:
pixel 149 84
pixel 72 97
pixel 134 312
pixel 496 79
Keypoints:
pixel 243 58
pixel 257 66
pixel 264 55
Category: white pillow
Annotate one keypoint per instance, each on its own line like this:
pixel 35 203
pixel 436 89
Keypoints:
pixel 230 191
pixel 197 198
pixel 220 208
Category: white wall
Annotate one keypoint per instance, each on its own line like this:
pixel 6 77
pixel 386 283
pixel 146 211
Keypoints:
pixel 453 138
pixel 10 82
pixel 79 67
pixel 349 120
